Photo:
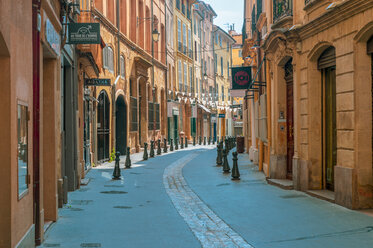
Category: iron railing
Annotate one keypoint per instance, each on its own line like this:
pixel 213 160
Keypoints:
pixel 282 8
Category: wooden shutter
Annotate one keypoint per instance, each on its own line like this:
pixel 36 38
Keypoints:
pixel 150 116
pixel 327 59
pixel 133 103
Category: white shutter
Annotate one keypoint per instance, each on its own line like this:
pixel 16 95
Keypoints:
pixel 263 118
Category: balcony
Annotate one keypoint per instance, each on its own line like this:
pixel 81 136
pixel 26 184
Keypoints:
pixel 282 9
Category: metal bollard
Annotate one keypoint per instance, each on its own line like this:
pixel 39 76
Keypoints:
pixel 177 144
pixel 235 171
pixel 186 142
pixel 172 145
pixel 164 145
pixel 182 143
pixel 204 141
pixel 209 142
pixel 152 148
pixel 159 149
pixel 194 140
pixel 226 168
pixel 219 161
pixel 145 156
pixel 116 172
pixel 128 159
pixel 200 140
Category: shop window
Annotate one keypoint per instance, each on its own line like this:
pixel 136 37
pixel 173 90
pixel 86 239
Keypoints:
pixel 134 122
pixel 22 133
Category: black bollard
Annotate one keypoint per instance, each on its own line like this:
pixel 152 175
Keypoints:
pixel 194 140
pixel 159 148
pixel 164 145
pixel 152 148
pixel 213 141
pixel 186 142
pixel 200 140
pixel 226 167
pixel 209 142
pixel 226 144
pixel 116 173
pixel 219 161
pixel 128 158
pixel 182 143
pixel 145 156
pixel 177 144
pixel 235 171
pixel 204 141
pixel 172 145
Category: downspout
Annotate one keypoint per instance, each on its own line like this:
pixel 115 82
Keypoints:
pixel 152 18
pixel 165 122
pixel 116 81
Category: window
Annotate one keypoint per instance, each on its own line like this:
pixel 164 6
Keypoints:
pixel 179 35
pixel 180 73
pixel 122 67
pixel 134 123
pixel 222 93
pixel 186 77
pixel 151 116
pixel 220 42
pixel 195 51
pixel 191 80
pixel 240 53
pixel 216 62
pixel 228 68
pixel 216 38
pixel 190 43
pixel 22 134
pixel 221 65
pixel 184 39
pixel 227 46
pixel 157 116
pixel 108 58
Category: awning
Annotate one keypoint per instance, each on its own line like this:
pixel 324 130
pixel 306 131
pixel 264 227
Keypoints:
pixel 204 108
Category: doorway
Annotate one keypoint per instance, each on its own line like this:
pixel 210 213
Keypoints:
pixel 103 126
pixel 327 66
pixel 289 118
pixel 121 125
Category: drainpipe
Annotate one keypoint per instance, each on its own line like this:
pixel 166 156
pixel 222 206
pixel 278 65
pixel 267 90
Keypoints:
pixel 117 79
pixel 166 79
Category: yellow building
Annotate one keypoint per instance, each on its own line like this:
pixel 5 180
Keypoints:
pixel 223 60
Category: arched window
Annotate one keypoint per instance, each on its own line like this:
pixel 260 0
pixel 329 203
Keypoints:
pixel 122 67
pixel 108 59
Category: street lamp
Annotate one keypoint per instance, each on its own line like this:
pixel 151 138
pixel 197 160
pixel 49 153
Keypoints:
pixel 155 35
pixel 205 76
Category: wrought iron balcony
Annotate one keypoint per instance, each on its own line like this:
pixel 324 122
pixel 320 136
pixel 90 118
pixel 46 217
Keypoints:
pixel 282 8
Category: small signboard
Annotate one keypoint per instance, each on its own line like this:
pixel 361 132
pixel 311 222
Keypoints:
pixel 53 38
pixel 221 115
pixel 84 33
pixel 97 82
pixel 241 78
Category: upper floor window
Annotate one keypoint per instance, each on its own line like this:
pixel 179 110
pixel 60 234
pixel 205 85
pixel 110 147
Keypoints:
pixel 108 58
pixel 240 53
pixel 221 65
pixel 122 67
pixel 184 37
pixel 179 34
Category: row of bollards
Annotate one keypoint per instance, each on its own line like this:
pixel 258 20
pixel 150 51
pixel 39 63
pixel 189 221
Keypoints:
pixel 222 155
pixel 223 149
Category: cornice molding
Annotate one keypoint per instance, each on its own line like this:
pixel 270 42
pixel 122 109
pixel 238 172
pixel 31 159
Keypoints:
pixel 341 12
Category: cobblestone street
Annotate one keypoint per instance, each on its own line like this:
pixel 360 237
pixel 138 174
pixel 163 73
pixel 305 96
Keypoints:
pixel 181 199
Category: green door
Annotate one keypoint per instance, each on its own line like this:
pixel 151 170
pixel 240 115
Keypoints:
pixel 330 149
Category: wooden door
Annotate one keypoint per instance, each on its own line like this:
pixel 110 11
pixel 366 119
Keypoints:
pixel 330 158
pixel 289 118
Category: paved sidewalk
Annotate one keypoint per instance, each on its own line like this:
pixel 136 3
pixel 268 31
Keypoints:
pixel 181 199
pixel 267 216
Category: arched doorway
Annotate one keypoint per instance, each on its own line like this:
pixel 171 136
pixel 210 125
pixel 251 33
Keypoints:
pixel 103 126
pixel 121 125
pixel 327 66
pixel 289 117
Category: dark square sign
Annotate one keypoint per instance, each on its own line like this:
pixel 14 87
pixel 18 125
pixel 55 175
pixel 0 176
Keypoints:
pixel 84 33
pixel 241 78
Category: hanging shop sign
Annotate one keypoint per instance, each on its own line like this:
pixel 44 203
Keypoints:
pixel 221 115
pixel 241 78
pixel 52 37
pixel 97 82
pixel 84 33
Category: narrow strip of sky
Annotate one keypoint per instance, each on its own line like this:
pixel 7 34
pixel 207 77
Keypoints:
pixel 229 12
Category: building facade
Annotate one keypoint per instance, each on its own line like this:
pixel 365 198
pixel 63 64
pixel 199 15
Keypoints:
pixel 317 95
